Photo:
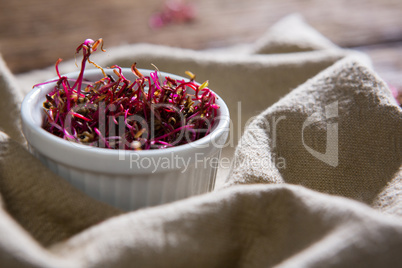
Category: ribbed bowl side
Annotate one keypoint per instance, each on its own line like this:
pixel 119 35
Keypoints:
pixel 133 192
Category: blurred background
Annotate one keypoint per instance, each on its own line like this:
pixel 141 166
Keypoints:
pixel 34 34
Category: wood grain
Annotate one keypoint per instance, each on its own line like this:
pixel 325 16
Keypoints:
pixel 33 34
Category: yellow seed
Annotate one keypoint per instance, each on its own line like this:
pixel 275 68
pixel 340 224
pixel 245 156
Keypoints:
pixel 88 137
pixel 172 119
pixel 139 133
pixel 203 85
pixel 190 74
pixel 116 72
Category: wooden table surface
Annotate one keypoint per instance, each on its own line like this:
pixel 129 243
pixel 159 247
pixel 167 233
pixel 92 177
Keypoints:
pixel 33 34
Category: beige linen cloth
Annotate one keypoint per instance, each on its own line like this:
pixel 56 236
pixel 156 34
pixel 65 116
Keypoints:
pixel 315 179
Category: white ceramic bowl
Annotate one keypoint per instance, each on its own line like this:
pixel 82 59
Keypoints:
pixel 126 179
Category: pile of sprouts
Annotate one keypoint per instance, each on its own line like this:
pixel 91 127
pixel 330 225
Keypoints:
pixel 151 112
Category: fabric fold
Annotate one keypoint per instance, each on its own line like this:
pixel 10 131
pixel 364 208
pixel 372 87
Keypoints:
pixel 10 103
pixel 289 35
pixel 338 133
pixel 244 226
pixel 48 207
